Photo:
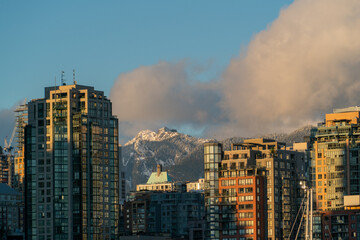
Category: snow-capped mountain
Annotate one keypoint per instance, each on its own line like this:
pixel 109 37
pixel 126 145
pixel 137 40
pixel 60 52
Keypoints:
pixel 179 154
pixel 289 138
pixel 148 135
pixel 173 150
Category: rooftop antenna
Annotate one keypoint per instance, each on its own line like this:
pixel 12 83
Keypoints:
pixel 55 89
pixel 74 77
pixel 63 78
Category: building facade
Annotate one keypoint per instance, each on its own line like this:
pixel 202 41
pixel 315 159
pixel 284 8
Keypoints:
pixel 242 203
pixel 10 211
pixel 281 169
pixel 5 166
pixel 212 159
pixel 172 213
pixel 195 185
pixel 122 180
pixel 340 224
pixel 160 181
pixel 335 162
pixel 71 165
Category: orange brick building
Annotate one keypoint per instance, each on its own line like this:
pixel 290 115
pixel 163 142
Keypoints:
pixel 242 205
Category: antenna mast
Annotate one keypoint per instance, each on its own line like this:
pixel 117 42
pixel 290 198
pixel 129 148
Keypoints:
pixel 55 90
pixel 74 76
pixel 63 78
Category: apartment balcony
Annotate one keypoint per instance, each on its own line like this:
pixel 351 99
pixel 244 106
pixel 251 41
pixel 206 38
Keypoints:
pixel 226 220
pixel 60 115
pixel 230 210
pixel 229 194
pixel 339 229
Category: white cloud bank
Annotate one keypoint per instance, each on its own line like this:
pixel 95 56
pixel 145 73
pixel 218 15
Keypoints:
pixel 162 94
pixel 305 63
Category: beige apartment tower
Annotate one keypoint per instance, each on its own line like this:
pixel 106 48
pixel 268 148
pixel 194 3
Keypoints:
pixel 335 166
pixel 71 165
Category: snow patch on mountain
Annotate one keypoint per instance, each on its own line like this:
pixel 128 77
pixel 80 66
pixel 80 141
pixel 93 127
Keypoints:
pixel 146 171
pixel 125 161
pixel 148 135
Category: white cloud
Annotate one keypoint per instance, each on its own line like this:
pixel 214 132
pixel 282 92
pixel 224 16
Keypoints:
pixel 305 63
pixel 162 94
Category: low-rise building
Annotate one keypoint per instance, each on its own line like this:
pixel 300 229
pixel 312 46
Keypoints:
pixel 338 224
pixel 344 223
pixel 150 212
pixel 196 185
pixel 163 207
pixel 10 211
pixel 161 181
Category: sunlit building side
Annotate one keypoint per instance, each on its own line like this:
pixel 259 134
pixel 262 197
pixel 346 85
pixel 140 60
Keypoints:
pixel 335 163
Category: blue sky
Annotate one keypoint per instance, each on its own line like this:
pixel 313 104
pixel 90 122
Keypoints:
pixel 207 68
pixel 101 40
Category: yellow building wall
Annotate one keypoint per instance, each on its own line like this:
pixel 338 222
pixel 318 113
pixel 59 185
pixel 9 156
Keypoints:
pixel 351 117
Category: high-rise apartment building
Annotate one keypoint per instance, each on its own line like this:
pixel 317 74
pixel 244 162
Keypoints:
pixel 212 159
pixel 249 167
pixel 335 168
pixel 71 165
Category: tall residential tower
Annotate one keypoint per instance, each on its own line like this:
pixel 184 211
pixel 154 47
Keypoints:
pixel 335 161
pixel 71 165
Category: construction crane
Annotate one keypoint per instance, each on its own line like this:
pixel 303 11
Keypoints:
pixel 7 150
pixel 7 145
pixel 9 157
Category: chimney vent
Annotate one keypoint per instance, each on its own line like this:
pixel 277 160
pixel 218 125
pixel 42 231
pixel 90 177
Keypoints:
pixel 159 169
